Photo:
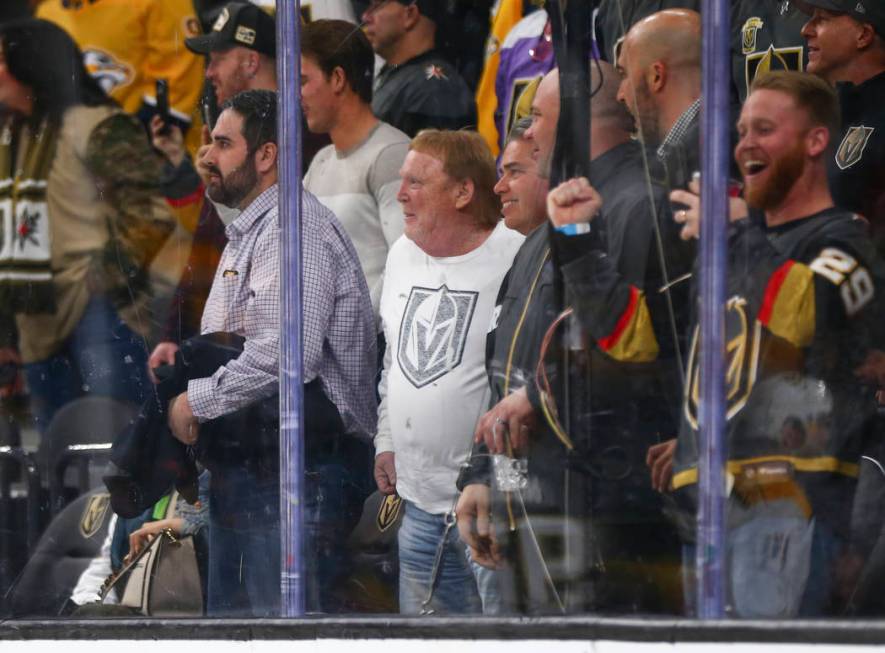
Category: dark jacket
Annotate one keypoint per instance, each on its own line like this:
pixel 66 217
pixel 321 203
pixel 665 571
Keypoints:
pixel 857 170
pixel 765 36
pixel 146 460
pixel 422 93
pixel 616 279
pixel 616 407
pixel 631 404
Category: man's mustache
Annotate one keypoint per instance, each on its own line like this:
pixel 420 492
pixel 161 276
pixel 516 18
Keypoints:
pixel 213 170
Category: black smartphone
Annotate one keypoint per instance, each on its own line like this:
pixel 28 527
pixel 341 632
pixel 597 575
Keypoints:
pixel 209 115
pixel 162 95
pixel 209 106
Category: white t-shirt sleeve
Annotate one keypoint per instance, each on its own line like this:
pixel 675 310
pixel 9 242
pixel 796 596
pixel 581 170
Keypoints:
pixel 384 183
pixel 88 587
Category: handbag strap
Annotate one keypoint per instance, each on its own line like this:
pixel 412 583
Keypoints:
pixel 172 506
pixel 112 580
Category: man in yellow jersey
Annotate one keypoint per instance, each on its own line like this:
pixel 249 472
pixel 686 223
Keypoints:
pixel 129 44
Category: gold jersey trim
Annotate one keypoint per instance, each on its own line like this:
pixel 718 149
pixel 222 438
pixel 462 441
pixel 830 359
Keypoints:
pixel 820 464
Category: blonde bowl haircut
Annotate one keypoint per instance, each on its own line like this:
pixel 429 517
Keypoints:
pixel 465 155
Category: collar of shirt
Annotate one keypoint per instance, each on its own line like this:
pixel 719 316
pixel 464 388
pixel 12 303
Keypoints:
pixel 677 131
pixel 866 90
pixel 389 68
pixel 250 215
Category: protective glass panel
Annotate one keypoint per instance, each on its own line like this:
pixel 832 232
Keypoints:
pixel 506 399
pixel 96 287
pixel 803 326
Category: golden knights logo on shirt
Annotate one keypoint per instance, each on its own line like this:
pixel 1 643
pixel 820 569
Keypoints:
pixel 773 59
pixel 741 357
pixel 853 145
pixel 94 514
pixel 767 59
pixel 434 332
pixel 748 34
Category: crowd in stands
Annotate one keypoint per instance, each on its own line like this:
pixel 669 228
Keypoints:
pixel 503 395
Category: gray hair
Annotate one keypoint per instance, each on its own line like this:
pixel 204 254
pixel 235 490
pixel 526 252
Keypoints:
pixel 518 130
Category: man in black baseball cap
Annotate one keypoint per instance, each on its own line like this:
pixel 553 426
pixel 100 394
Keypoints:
pixel 863 11
pixel 241 48
pixel 846 47
pixel 843 35
pixel 417 88
pixel 238 24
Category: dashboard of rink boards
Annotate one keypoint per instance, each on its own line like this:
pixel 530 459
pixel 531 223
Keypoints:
pixel 388 634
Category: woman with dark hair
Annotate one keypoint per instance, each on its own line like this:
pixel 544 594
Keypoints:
pixel 81 218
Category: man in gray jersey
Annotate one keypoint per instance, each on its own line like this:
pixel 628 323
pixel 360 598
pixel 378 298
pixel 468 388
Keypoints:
pixel 357 175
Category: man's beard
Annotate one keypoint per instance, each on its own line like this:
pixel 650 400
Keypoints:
pixel 233 189
pixel 783 174
pixel 646 117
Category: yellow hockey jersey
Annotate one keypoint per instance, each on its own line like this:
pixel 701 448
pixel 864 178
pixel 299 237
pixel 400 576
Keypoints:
pixel 129 44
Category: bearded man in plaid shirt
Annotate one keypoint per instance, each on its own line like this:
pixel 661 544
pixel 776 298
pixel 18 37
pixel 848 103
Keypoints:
pixel 339 365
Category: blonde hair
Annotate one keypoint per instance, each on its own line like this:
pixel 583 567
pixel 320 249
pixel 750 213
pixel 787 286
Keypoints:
pixel 465 155
pixel 809 92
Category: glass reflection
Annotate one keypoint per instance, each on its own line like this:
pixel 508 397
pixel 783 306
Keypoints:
pixel 501 387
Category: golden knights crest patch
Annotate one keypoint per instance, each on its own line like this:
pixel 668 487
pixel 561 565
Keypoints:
pixel 748 34
pixel 853 145
pixel 388 512
pixel 772 59
pixel 742 362
pixel 94 514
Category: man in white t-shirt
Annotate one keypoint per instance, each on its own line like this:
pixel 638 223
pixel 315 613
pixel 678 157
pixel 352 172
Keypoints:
pixel 436 307
pixel 357 175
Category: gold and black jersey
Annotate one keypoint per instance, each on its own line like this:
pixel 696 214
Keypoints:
pixel 766 36
pixel 802 314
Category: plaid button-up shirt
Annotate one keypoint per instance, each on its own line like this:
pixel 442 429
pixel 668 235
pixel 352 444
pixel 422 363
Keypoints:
pixel 677 131
pixel 339 334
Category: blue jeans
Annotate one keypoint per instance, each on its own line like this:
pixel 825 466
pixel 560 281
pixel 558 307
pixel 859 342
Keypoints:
pixel 459 582
pixel 778 566
pixel 244 540
pixel 244 545
pixel 102 356
pixel 333 500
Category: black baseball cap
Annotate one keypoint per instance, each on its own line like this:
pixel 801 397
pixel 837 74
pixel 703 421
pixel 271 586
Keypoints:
pixel 863 11
pixel 435 10
pixel 239 24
